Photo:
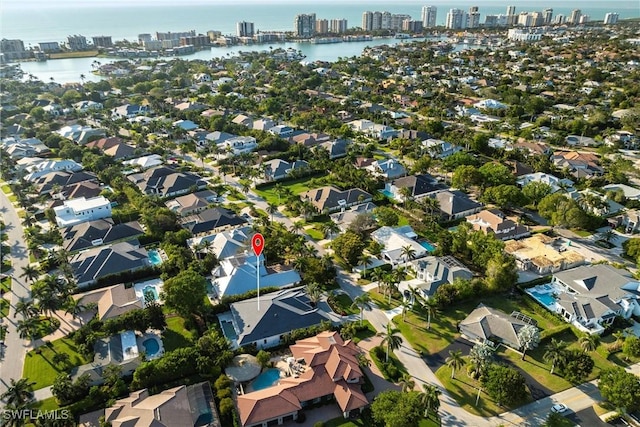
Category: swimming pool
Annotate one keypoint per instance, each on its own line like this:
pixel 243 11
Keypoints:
pixel 428 246
pixel 266 379
pixel 152 291
pixel 151 346
pixel 546 299
pixel 387 193
pixel 229 330
pixel 154 257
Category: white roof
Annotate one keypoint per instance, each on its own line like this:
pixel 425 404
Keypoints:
pixel 82 203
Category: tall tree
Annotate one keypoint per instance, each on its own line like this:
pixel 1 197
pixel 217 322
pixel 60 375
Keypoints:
pixel 19 393
pixel 621 388
pixel 455 361
pixel 30 272
pixel 529 337
pixel 430 398
pixel 555 353
pixel 362 302
pixel 407 383
pixel 589 342
pixel 185 293
pixel 504 384
pixel 390 339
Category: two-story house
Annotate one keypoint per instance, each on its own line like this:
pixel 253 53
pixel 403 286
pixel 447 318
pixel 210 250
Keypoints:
pixel 77 211
pixel 496 222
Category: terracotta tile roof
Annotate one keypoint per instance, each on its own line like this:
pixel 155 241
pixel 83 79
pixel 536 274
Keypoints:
pixel 267 404
pixel 349 397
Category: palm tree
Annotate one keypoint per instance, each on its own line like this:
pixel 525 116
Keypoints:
pixel 26 308
pixel 455 361
pixel 278 189
pixel 314 292
pixel 406 194
pixel 329 228
pixel 61 256
pixel 362 302
pixel 406 306
pixel 407 383
pixel 390 339
pixel 364 260
pixel 431 307
pixel 30 273
pixel 430 398
pixel 408 253
pixel 555 353
pixel 74 307
pixel 297 227
pixel 620 337
pixel 271 209
pixel 608 236
pixel 19 393
pixel 589 342
pixel 27 328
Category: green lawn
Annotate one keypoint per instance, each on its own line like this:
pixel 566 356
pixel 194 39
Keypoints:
pixel 13 198
pixel 4 308
pixel 465 391
pixel 5 284
pixel 6 189
pixel 582 233
pixel 296 187
pixel 342 304
pixel 366 333
pixel 176 336
pixel 40 368
pixel 393 359
pixel 48 404
pixel 314 233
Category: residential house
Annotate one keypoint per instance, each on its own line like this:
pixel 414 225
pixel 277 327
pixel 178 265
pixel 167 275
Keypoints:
pixel 237 274
pixel 211 220
pixel 495 222
pixel 455 205
pixel 395 240
pixel 97 233
pixel 218 137
pixel 584 141
pixel 543 254
pixel 145 162
pixel 491 326
pixel 77 211
pixel 88 135
pixel 629 220
pixel 580 165
pixel 86 189
pixel 185 406
pixel 592 296
pixel 99 262
pixel 336 148
pixel 263 124
pixel 433 272
pixel 185 125
pixel 129 111
pixel 556 184
pixel 54 181
pixel 439 149
pixel 344 218
pixel 84 106
pixel 277 169
pixel 201 78
pixel 374 130
pixel 332 373
pixel 164 182
pixel 387 169
pixel 192 203
pixel 417 187
pixel 329 199
pixel 282 131
pixel 309 139
pixel 630 193
pixel 279 313
pixel 239 145
pixel 532 148
pixel 40 167
pixel 190 106
pixel 112 301
pixel 243 120
pixel 113 147
pixel 223 245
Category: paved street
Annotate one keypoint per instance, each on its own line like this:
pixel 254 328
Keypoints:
pixel 16 348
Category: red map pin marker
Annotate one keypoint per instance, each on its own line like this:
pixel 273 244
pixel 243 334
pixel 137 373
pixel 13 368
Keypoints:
pixel 257 243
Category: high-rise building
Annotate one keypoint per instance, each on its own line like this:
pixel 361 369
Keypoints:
pixel 245 29
pixel 174 36
pixel 473 18
pixel 512 18
pixel 144 38
pixel 574 18
pixel 456 19
pixel 559 19
pixel 548 16
pixel 322 26
pixel 77 42
pixel 429 14
pixel 526 19
pixel 397 20
pixel 338 26
pixel 538 19
pixel 304 25
pixel 584 19
pixel 611 18
pixel 385 20
pixel 13 49
pixel 367 21
pixel 412 26
pixel 102 41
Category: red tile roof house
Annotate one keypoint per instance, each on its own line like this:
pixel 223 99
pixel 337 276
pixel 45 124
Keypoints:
pixel 332 372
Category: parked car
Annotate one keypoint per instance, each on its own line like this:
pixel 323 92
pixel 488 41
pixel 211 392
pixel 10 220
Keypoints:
pixel 558 408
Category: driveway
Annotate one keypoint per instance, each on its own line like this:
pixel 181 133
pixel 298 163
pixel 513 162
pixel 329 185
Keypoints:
pixel 435 361
pixel 586 418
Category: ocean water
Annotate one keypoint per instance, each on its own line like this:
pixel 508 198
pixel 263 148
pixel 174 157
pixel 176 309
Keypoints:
pixel 36 21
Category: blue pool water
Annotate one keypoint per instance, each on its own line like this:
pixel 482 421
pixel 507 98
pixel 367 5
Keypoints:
pixel 387 193
pixel 151 346
pixel 154 257
pixel 150 290
pixel 546 299
pixel 229 330
pixel 428 246
pixel 266 379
